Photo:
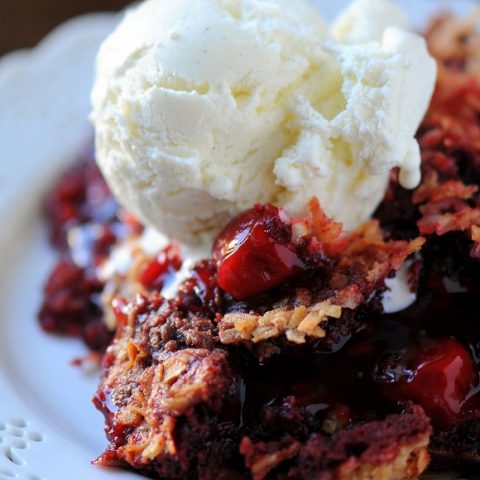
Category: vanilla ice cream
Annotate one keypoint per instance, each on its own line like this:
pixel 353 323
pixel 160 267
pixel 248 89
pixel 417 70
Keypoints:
pixel 204 107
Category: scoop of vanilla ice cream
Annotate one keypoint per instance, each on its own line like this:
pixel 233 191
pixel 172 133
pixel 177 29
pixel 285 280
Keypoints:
pixel 204 107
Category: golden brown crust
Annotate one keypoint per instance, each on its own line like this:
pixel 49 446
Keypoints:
pixel 393 449
pixel 409 464
pixel 296 324
pixel 151 391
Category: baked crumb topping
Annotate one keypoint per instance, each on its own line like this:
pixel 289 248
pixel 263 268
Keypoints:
pixel 395 448
pixel 295 324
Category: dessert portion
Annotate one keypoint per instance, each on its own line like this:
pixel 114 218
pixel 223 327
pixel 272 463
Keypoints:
pixel 300 347
pixel 202 109
pixel 204 385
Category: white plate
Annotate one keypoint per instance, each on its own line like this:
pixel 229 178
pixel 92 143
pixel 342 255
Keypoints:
pixel 48 427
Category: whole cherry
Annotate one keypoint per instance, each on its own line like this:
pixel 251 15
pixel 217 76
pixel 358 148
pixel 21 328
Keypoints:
pixel 438 374
pixel 255 252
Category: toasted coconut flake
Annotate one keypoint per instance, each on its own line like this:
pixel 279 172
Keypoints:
pixel 296 324
pixel 326 230
pixel 365 264
pixel 442 223
pixel 135 354
pixel 161 443
pixel 433 191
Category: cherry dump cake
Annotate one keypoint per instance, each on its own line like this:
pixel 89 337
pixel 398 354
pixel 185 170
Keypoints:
pixel 278 356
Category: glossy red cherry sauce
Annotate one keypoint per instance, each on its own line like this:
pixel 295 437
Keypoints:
pixel 439 374
pixel 156 272
pixel 418 355
pixel 428 354
pixel 200 292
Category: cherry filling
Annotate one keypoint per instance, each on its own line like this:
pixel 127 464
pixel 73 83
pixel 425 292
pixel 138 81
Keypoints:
pixel 200 292
pixel 255 252
pixel 80 197
pixel 429 354
pixel 71 305
pixel 155 272
pixel 409 356
pixel 439 375
pixel 85 223
pixel 396 359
